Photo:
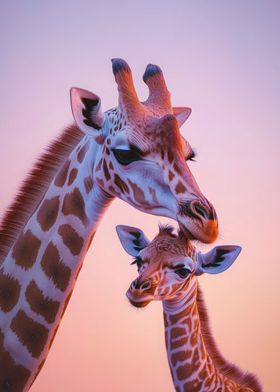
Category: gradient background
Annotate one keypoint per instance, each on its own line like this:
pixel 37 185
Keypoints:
pixel 221 58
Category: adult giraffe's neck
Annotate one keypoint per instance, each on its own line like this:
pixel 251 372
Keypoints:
pixel 191 366
pixel 39 273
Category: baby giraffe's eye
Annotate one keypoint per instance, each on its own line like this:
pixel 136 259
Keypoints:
pixel 182 272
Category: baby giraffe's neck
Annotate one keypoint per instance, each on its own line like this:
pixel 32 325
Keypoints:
pixel 191 366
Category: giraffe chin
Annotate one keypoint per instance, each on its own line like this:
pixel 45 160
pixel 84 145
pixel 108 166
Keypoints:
pixel 194 233
pixel 137 303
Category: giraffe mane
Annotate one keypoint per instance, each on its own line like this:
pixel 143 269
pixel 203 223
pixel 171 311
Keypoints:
pixel 34 187
pixel 166 229
pixel 227 368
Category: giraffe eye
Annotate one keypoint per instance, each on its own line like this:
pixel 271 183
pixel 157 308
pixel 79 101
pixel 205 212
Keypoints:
pixel 182 272
pixel 125 157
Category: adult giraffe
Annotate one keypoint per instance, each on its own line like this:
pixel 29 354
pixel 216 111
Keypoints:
pixel 134 152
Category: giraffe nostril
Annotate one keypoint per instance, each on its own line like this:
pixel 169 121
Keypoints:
pixel 145 285
pixel 201 211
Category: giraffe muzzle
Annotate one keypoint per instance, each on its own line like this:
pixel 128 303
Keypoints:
pixel 198 220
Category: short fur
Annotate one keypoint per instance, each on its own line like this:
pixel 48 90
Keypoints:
pixel 34 187
pixel 227 368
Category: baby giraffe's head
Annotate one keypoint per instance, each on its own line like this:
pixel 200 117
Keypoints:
pixel 168 265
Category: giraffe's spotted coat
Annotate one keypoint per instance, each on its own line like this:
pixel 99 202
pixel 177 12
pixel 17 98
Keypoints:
pixel 166 258
pixel 72 176
pixel 88 183
pixel 81 154
pixel 31 334
pixel 41 304
pixel 62 202
pixel 9 292
pixel 48 212
pixel 13 377
pixel 62 174
pixel 26 249
pixel 71 239
pixel 54 268
pixel 73 204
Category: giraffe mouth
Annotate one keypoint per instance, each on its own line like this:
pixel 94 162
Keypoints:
pixel 186 232
pixel 137 303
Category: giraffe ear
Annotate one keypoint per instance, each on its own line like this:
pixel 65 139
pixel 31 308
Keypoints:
pixel 182 114
pixel 87 112
pixel 217 260
pixel 132 239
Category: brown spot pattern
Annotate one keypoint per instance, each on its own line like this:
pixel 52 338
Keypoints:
pixel 170 155
pixel 82 152
pixel 9 292
pixel 47 213
pixel 154 195
pixel 72 176
pixel 113 190
pixel 180 356
pixel 121 184
pixel 60 179
pixel 176 168
pixel 178 343
pixel 139 195
pixel 13 377
pixel 184 372
pixel 98 167
pixel 54 268
pixel 31 334
pixel 180 188
pixel 176 332
pixel 194 386
pixel 26 249
pixel 88 183
pixel 73 204
pixel 41 304
pixel 171 175
pixel 71 239
pixel 106 171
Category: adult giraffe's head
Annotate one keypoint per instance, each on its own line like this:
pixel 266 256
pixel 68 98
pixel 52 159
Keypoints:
pixel 167 266
pixel 142 157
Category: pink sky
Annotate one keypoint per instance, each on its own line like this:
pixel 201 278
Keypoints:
pixel 220 58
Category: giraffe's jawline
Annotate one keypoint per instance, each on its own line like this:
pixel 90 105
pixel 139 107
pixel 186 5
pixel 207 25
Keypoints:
pixel 186 232
pixel 137 303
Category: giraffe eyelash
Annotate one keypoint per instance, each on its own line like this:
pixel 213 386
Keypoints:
pixel 191 156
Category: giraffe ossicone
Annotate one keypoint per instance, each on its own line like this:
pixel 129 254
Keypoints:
pixel 168 267
pixel 135 152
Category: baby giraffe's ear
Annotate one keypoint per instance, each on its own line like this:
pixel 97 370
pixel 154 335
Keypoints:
pixel 217 260
pixel 87 112
pixel 132 239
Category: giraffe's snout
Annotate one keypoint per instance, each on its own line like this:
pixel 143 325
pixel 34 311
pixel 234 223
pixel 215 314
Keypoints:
pixel 203 210
pixel 139 284
pixel 140 292
pixel 198 219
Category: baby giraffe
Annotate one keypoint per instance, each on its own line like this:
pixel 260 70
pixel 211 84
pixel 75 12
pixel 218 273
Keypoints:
pixel 168 267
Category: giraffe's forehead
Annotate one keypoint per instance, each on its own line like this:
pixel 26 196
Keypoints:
pixel 148 131
pixel 166 250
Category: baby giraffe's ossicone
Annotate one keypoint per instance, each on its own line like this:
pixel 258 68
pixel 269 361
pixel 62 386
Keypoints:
pixel 168 267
